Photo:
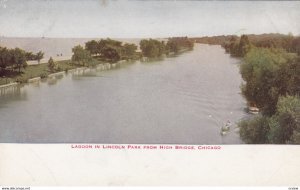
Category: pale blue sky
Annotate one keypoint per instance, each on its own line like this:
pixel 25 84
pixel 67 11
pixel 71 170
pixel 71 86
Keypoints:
pixel 129 19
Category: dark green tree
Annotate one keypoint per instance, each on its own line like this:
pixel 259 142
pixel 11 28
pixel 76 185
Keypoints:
pixel 263 73
pixel 255 131
pixel 129 50
pixel 19 58
pixel 111 54
pixel 92 47
pixel 287 127
pixel 244 46
pixel 51 64
pixel 39 56
pixel 80 55
pixel 152 48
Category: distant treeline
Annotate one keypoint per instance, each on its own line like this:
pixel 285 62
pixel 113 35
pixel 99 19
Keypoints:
pixel 232 44
pixel 113 50
pixel 214 40
pixel 154 48
pixel 12 59
pixel 105 50
pixel 271 72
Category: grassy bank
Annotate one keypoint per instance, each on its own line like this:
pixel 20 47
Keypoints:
pixel 40 70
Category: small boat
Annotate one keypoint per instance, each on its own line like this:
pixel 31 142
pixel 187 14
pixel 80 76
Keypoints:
pixel 223 133
pixel 253 110
pixel 225 129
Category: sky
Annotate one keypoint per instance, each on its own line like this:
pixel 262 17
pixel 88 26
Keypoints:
pixel 150 18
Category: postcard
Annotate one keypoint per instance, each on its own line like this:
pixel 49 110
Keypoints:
pixel 149 93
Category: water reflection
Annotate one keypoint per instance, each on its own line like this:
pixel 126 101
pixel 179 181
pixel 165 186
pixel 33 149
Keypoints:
pixel 182 99
pixel 12 94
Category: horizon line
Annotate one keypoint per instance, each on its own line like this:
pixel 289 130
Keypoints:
pixel 189 36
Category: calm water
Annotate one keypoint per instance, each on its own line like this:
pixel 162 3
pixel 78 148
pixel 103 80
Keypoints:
pixel 183 100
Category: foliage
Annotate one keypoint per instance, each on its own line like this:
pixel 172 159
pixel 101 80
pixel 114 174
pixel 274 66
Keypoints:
pixel 92 47
pixel 52 65
pixel 129 50
pixel 39 56
pixel 111 50
pixel 80 55
pixel 281 128
pixel 288 121
pixel 238 48
pixel 11 59
pixel 175 44
pixel 214 40
pixel 111 54
pixel 254 131
pixel 18 58
pixel 288 42
pixel 269 73
pixel 152 48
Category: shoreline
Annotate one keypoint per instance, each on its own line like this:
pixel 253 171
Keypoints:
pixel 99 66
pixel 67 67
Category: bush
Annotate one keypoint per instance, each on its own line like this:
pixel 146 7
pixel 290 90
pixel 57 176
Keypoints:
pixel 254 131
pixel 43 75
pixel 287 126
pixel 281 128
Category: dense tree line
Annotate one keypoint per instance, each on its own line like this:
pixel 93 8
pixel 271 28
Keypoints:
pixel 214 40
pixel 111 50
pixel 269 74
pixel 283 127
pixel 272 83
pixel 175 44
pixel 12 59
pixel 288 42
pixel 155 48
pixel 231 43
pixel 152 48
pixel 238 47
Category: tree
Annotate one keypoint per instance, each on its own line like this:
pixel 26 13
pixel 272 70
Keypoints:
pixel 101 45
pixel 51 64
pixel 129 50
pixel 296 45
pixel 92 47
pixel 263 72
pixel 287 118
pixel 5 58
pixel 80 55
pixel 244 46
pixel 281 128
pixel 111 54
pixel 255 131
pixel 19 58
pixel 111 50
pixel 172 46
pixel 39 56
pixel 152 48
pixel 30 56
pixel 175 44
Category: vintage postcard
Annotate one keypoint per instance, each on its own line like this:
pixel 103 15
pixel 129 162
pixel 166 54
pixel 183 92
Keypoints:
pixel 149 93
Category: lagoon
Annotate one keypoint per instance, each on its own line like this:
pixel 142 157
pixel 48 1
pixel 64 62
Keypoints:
pixel 183 99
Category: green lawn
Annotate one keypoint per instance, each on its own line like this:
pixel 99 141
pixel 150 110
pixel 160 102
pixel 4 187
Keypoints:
pixel 40 70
